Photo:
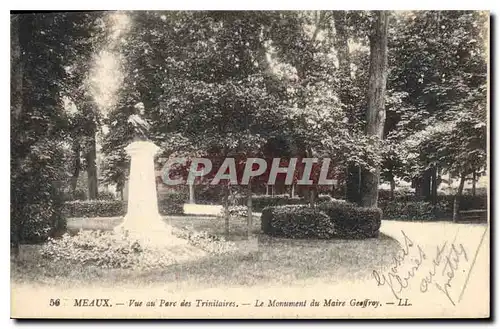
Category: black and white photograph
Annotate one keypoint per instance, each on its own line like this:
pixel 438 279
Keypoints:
pixel 263 164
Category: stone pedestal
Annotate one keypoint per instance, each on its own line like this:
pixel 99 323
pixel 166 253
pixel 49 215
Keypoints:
pixel 143 220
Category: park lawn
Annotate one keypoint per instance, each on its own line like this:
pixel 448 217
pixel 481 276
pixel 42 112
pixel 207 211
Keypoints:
pixel 277 261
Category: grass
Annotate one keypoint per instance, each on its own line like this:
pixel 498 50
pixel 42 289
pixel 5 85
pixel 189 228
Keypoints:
pixel 275 261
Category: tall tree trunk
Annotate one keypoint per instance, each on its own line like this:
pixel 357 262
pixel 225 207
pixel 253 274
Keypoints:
pixel 312 188
pixel 249 208
pixel 393 187
pixel 456 200
pixel 353 184
pixel 474 179
pixel 226 209
pixel 417 184
pixel 426 184
pixel 312 195
pixel 434 185
pixel 375 116
pixel 76 148
pixel 90 157
pixel 343 56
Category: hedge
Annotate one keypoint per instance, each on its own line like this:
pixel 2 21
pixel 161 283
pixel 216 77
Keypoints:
pixel 296 221
pixel 351 221
pixel 95 208
pixel 412 210
pixel 169 204
pixel 43 220
pixel 467 202
pixel 327 220
pixel 401 209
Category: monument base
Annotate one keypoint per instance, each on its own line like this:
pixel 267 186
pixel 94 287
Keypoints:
pixel 155 233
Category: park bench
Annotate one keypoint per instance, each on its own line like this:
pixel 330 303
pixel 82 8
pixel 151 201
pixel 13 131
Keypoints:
pixel 473 216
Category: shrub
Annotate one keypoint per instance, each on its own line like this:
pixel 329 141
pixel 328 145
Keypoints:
pixel 467 202
pixel 78 194
pixel 401 209
pixel 324 198
pixel 37 174
pixel 209 194
pixel 117 250
pixel 171 203
pixel 106 195
pixel 403 193
pixel 106 250
pixel 412 210
pixel 351 221
pixel 95 208
pixel 236 211
pixel 210 243
pixel 41 221
pixel 296 221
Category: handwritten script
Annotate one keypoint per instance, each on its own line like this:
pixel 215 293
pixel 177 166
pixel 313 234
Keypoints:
pixel 442 266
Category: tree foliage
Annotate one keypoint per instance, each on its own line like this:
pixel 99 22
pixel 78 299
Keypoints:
pixel 44 47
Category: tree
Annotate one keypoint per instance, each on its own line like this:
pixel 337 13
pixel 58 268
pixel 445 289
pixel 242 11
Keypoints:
pixel 43 47
pixel 425 47
pixel 375 115
pixel 199 100
pixel 88 35
pixel 120 133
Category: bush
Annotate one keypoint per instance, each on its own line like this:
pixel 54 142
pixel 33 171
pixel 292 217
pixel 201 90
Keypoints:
pixel 106 250
pixel 78 194
pixel 213 244
pixel 102 249
pixel 402 209
pixel 41 221
pixel 399 194
pixel 117 250
pixel 412 210
pixel 324 198
pixel 37 174
pixel 209 194
pixel 235 211
pixel 296 222
pixel 106 195
pixel 351 221
pixel 95 208
pixel 171 203
pixel 467 202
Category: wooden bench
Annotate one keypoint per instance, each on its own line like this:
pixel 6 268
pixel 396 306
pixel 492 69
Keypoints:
pixel 473 216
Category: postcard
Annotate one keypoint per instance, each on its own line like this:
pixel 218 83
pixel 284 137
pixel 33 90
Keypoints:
pixel 250 164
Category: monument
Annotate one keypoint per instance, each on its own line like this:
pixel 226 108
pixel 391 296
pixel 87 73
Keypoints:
pixel 143 221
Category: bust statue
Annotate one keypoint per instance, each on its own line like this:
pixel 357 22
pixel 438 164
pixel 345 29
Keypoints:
pixel 139 124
